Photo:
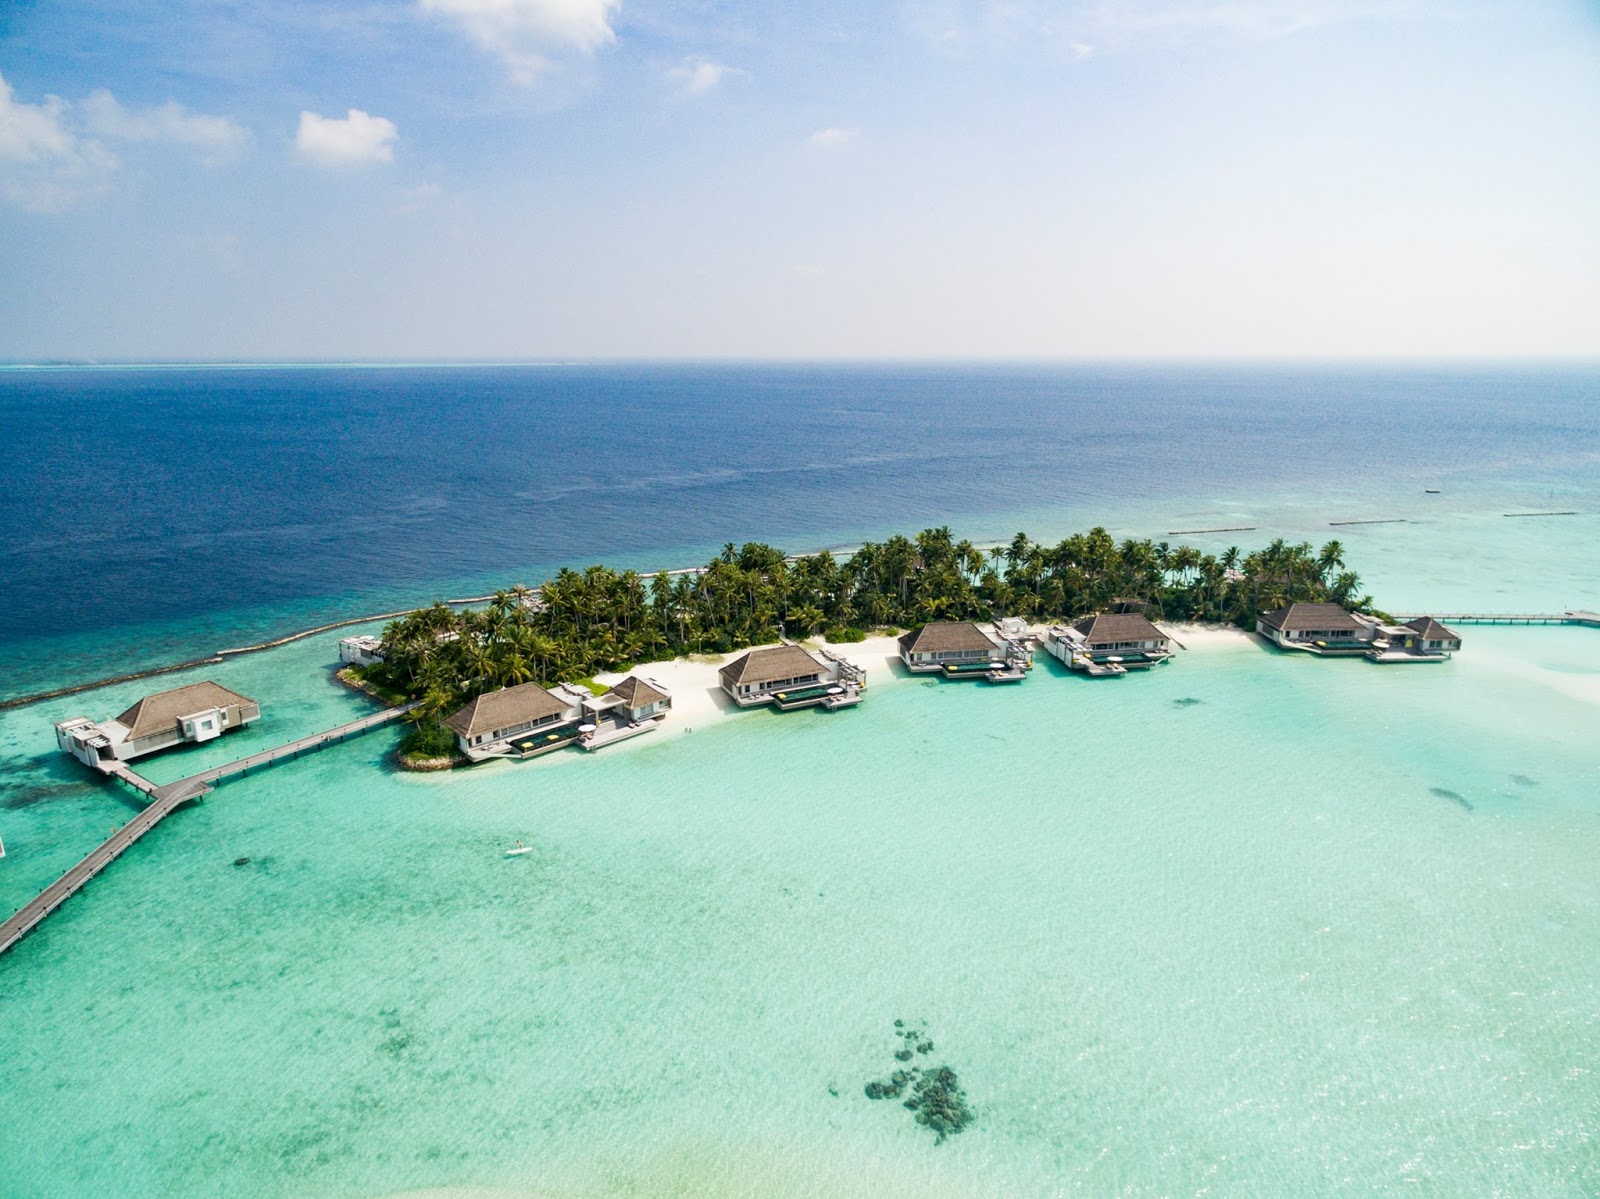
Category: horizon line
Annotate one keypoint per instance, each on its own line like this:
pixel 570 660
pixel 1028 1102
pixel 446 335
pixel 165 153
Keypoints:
pixel 1308 360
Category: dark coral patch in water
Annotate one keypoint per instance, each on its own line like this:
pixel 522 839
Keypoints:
pixel 26 795
pixel 936 1096
pixel 1452 796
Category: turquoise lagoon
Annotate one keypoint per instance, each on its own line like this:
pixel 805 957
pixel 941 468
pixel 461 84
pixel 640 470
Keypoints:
pixel 1332 929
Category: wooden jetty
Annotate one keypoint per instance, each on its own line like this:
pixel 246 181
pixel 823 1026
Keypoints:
pixel 1592 619
pixel 163 801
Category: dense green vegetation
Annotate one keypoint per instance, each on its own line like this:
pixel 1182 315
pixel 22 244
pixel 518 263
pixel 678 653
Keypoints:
pixel 579 623
pixel 429 739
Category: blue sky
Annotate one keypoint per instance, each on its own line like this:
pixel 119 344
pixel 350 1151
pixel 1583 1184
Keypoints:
pixel 283 179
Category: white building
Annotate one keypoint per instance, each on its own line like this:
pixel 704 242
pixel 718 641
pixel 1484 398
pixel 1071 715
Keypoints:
pixel 199 712
pixel 1109 644
pixel 361 651
pixel 516 722
pixel 787 676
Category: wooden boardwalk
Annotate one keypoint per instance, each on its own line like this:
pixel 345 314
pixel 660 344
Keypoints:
pixel 163 801
pixel 1591 619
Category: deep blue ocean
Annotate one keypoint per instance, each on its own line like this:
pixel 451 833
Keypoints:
pixel 154 512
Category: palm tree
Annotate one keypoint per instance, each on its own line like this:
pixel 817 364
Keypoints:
pixel 1330 559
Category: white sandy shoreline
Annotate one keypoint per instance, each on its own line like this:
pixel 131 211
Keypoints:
pixel 698 700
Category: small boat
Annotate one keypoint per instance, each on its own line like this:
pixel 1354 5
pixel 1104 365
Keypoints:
pixel 1430 491
pixel 520 849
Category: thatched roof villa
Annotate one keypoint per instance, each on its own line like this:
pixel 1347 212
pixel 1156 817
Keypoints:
pixel 198 712
pixel 788 676
pixel 515 722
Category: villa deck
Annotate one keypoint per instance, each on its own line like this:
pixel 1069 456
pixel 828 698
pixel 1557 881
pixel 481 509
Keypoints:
pixel 823 695
pixel 1332 649
pixel 534 744
pixel 969 670
pixel 527 745
pixel 610 732
pixel 1391 656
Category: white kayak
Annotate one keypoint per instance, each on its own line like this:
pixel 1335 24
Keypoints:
pixel 511 853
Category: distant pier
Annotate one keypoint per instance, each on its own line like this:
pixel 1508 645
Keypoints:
pixel 163 801
pixel 1591 619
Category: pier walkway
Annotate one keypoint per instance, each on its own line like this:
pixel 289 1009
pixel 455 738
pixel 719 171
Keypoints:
pixel 163 801
pixel 1592 619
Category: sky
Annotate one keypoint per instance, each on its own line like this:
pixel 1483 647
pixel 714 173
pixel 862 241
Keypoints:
pixel 302 180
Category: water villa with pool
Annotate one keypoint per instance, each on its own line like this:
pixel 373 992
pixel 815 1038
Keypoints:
pixel 1108 645
pixel 528 720
pixel 516 722
pixel 959 649
pixel 1328 630
pixel 789 676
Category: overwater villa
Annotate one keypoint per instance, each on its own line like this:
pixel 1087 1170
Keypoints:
pixel 1329 630
pixel 517 722
pixel 199 712
pixel 789 676
pixel 1109 644
pixel 959 649
pixel 1317 628
pixel 1421 640
pixel 632 707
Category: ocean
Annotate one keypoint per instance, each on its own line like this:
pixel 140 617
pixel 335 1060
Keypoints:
pixel 1249 924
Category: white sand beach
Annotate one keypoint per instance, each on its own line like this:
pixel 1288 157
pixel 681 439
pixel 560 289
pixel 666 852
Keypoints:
pixel 698 700
pixel 1203 637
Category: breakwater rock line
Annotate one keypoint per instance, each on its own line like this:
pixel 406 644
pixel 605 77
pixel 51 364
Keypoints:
pixel 221 655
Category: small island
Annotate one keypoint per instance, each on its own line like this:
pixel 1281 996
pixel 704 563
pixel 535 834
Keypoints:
pixel 583 623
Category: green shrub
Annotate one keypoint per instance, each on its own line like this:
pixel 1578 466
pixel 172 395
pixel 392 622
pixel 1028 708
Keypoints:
pixel 429 739
pixel 844 636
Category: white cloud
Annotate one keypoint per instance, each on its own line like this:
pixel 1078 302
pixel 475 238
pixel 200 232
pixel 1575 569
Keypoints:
pixel 831 138
pixel 524 33
pixel 54 155
pixel 32 132
pixel 214 137
pixel 44 165
pixel 700 75
pixel 348 141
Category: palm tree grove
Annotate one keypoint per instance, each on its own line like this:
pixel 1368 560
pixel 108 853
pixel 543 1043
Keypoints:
pixel 583 622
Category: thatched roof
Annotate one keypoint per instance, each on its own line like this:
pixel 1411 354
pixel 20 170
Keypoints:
pixel 636 693
pixel 1312 618
pixel 161 712
pixel 1110 628
pixel 502 709
pixel 769 665
pixel 948 637
pixel 1431 630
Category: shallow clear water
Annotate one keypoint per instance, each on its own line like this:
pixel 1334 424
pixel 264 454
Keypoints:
pixel 1333 929
pixel 1239 944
